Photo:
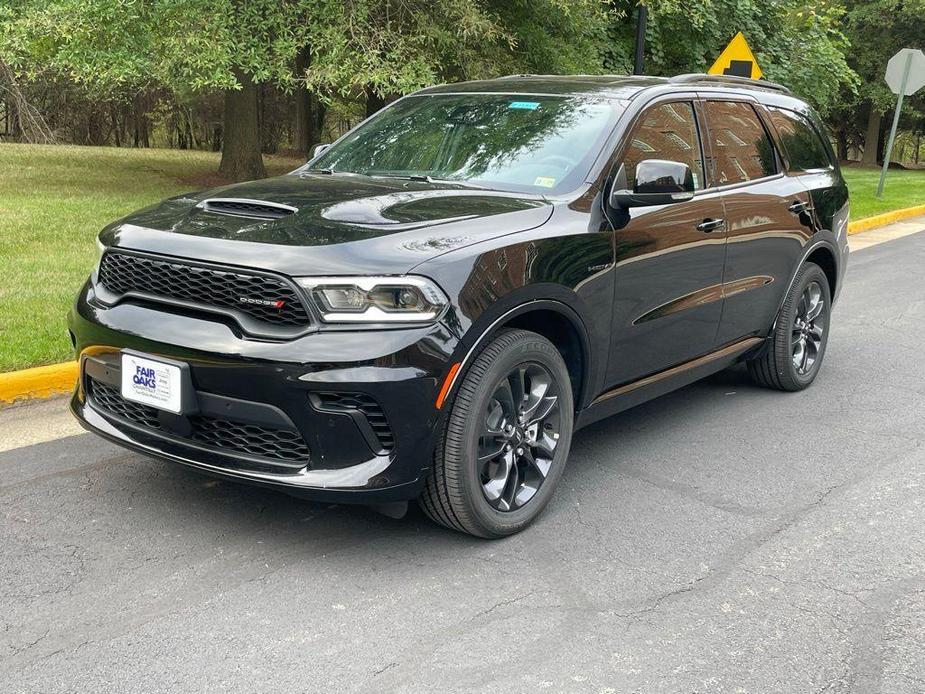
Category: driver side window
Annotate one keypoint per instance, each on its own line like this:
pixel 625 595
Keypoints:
pixel 667 131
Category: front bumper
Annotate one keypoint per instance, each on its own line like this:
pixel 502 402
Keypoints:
pixel 332 416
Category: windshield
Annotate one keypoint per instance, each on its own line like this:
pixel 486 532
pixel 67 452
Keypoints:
pixel 520 142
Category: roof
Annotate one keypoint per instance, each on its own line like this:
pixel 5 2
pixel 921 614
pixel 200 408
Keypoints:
pixel 615 86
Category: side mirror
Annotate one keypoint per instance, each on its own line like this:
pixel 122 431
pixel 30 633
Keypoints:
pixel 658 182
pixel 319 149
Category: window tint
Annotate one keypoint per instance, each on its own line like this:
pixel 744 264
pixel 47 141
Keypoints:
pixel 667 131
pixel 801 141
pixel 742 150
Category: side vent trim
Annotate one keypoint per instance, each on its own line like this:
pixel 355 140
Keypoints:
pixel 366 413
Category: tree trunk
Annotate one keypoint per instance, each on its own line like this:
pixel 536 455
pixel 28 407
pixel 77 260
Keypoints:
pixel 841 138
pixel 318 112
pixel 309 111
pixel 116 125
pixel 872 138
pixel 374 102
pixel 303 106
pixel 241 159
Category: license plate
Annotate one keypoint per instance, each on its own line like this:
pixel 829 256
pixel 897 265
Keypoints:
pixel 152 382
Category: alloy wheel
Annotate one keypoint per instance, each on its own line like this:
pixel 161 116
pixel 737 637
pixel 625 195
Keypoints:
pixel 808 329
pixel 518 437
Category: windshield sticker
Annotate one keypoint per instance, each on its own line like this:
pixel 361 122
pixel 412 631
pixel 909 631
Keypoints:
pixel 545 181
pixel 528 105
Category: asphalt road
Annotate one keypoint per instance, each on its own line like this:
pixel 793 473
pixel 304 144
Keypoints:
pixel 720 539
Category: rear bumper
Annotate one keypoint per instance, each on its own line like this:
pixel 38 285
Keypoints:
pixel 332 416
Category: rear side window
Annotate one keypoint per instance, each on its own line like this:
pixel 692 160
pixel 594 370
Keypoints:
pixel 801 141
pixel 666 131
pixel 742 150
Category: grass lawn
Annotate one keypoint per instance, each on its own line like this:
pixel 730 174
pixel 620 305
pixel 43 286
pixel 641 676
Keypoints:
pixel 53 202
pixel 55 199
pixel 903 189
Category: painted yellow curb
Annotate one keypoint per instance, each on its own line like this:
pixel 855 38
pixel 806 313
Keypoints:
pixel 880 220
pixel 40 382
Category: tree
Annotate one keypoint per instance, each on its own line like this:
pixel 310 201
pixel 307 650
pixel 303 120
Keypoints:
pixel 187 46
pixel 799 43
pixel 878 29
pixel 375 48
pixel 383 48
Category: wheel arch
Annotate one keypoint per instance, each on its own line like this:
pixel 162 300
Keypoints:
pixel 554 320
pixel 824 253
pixel 824 257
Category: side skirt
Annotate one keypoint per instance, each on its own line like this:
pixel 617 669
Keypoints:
pixel 635 393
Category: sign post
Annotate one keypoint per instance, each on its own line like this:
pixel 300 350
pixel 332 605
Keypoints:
pixel 905 74
pixel 641 19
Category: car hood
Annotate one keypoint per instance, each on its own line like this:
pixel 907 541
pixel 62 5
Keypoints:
pixel 330 224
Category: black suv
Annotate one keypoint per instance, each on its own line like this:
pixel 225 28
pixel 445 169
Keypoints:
pixel 431 306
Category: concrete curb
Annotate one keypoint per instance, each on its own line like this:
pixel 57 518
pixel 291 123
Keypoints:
pixel 46 381
pixel 881 220
pixel 40 382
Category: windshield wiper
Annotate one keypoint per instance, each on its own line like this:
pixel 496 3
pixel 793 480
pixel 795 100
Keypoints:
pixel 333 172
pixel 430 179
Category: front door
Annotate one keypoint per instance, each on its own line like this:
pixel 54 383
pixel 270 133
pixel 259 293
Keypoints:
pixel 669 258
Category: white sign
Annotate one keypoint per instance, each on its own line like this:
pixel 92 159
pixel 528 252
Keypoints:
pixel 897 67
pixel 151 383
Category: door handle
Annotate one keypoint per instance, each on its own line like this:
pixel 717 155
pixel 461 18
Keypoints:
pixel 798 207
pixel 709 225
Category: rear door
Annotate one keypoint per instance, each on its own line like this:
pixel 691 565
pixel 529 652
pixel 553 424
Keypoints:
pixel 669 258
pixel 811 160
pixel 768 216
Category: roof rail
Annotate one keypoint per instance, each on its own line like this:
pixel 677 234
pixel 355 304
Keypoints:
pixel 695 77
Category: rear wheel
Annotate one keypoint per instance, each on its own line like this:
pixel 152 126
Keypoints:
pixel 792 359
pixel 506 439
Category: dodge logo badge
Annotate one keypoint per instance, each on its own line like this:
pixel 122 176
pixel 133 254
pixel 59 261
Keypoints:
pixel 279 303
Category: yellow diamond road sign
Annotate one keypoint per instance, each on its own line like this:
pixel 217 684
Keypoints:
pixel 737 60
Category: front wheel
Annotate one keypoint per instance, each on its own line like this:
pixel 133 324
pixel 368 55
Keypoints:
pixel 792 359
pixel 506 439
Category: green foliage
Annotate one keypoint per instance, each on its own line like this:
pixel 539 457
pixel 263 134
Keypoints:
pixel 799 43
pixel 395 47
pixel 878 29
pixel 833 52
pixel 186 45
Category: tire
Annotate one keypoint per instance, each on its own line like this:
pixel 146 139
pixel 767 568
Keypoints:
pixel 460 489
pixel 776 367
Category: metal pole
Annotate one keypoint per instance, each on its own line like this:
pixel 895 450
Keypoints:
pixel 889 143
pixel 641 19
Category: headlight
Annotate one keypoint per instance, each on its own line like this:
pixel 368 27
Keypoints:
pixel 375 299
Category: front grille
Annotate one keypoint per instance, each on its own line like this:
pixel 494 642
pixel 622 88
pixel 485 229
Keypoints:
pixel 270 300
pixel 367 406
pixel 223 435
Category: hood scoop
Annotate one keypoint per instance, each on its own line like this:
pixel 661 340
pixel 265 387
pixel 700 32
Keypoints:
pixel 243 207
